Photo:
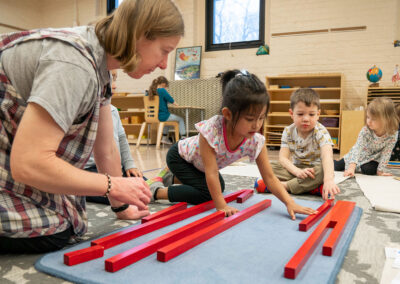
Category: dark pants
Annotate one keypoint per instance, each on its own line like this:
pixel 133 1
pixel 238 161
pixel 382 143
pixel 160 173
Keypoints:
pixel 369 168
pixel 35 245
pixel 396 150
pixel 194 188
pixel 101 199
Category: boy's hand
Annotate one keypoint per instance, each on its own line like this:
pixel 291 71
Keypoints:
pixel 330 190
pixel 379 173
pixel 229 211
pixel 293 208
pixel 305 173
pixel 350 171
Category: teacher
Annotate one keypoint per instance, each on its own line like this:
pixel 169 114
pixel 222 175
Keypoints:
pixel 55 110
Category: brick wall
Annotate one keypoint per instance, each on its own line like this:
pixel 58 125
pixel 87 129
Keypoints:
pixel 351 53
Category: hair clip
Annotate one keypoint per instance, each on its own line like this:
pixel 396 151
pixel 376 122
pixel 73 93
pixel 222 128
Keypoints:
pixel 243 72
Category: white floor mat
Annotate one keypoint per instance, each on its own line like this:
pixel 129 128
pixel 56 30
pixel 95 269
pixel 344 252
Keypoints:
pixel 251 170
pixel 382 192
pixel 241 169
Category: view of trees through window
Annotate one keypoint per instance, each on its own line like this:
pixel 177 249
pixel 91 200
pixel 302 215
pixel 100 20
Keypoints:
pixel 232 24
pixel 236 20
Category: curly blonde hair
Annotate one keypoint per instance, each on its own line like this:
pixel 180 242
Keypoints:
pixel 119 32
pixel 384 110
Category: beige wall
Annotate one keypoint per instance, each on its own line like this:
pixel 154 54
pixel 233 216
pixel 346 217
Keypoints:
pixel 351 53
pixel 61 13
pixel 32 14
pixel 19 13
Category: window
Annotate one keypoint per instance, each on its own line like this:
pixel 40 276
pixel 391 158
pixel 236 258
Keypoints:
pixel 112 5
pixel 234 24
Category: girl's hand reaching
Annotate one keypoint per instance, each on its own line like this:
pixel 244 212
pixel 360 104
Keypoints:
pixel 350 171
pixel 229 211
pixel 379 173
pixel 294 208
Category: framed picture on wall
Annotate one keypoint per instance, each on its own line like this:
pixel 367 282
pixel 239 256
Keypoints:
pixel 187 63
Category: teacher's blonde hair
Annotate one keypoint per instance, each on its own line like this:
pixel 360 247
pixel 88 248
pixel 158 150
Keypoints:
pixel 119 32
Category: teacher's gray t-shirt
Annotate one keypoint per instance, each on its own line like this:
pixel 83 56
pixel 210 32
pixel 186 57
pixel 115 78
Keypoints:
pixel 56 76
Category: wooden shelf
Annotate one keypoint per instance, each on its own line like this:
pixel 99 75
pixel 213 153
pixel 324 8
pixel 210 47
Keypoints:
pixel 329 88
pixel 379 92
pixel 287 114
pixel 130 101
pixel 130 112
pixel 321 102
pixel 132 125
pixel 132 105
pixel 306 76
pixel 282 90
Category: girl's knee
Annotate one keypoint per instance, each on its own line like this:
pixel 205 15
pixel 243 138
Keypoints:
pixel 369 168
pixel 339 165
pixel 368 171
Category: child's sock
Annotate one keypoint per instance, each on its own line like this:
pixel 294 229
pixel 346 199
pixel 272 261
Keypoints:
pixel 260 186
pixel 154 187
pixel 317 191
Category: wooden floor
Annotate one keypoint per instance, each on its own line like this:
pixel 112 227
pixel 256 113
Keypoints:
pixel 150 161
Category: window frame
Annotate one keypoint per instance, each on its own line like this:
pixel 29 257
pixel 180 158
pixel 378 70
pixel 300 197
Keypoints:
pixel 111 6
pixel 210 46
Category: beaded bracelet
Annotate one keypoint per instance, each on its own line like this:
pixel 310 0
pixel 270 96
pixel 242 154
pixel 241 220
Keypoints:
pixel 108 185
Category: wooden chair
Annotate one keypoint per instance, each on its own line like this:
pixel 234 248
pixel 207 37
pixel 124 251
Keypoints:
pixel 151 117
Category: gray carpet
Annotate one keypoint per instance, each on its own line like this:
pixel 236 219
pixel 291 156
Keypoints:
pixel 363 263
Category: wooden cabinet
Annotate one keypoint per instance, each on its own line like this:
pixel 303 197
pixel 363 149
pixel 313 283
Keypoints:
pixel 131 112
pixel 352 122
pixel 389 92
pixel 329 88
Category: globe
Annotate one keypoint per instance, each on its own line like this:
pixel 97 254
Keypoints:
pixel 374 74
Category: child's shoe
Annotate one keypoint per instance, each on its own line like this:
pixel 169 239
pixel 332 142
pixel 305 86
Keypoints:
pixel 260 186
pixel 165 141
pixel 317 191
pixel 153 180
pixel 167 176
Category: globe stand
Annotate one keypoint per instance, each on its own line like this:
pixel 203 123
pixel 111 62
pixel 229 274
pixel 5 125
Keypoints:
pixel 374 85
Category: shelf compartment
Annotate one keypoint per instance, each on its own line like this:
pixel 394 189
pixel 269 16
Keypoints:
pixel 327 85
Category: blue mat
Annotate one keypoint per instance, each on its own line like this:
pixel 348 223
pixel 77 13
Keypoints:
pixel 255 250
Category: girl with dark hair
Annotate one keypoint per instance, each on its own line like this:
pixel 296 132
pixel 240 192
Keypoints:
pixel 195 162
pixel 157 88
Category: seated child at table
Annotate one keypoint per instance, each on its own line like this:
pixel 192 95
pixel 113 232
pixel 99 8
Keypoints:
pixel 157 88
pixel 375 141
pixel 308 142
pixel 223 139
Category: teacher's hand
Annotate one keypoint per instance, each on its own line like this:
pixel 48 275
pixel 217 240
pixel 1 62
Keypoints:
pixel 132 213
pixel 132 190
